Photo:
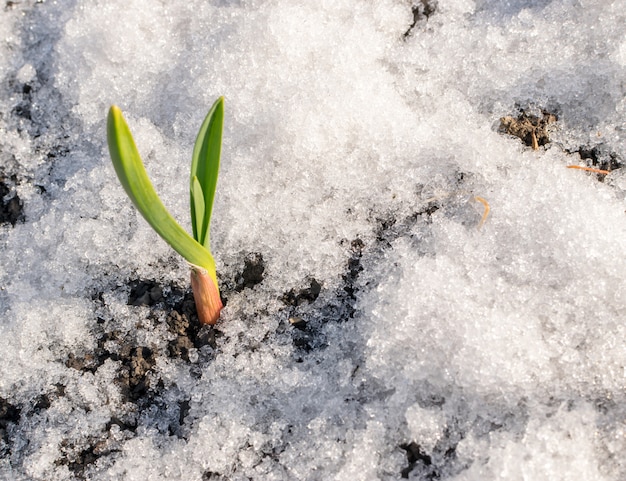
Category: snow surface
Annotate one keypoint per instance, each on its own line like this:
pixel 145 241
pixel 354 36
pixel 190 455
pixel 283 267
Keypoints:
pixel 353 153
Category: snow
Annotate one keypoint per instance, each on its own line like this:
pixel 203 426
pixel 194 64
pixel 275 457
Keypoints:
pixel 355 148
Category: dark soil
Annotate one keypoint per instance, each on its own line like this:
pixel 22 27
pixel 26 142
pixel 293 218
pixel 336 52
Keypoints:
pixel 138 360
pixel 304 334
pixel 136 379
pixel 532 129
pixel 416 459
pixel 599 157
pixel 212 476
pixel 422 465
pixel 252 274
pixel 9 416
pixel 182 319
pixel 301 296
pixel 11 208
pixel 422 10
pixel 307 330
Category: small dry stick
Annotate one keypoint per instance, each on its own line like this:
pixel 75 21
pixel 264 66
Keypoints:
pixel 534 139
pixel 485 212
pixel 588 169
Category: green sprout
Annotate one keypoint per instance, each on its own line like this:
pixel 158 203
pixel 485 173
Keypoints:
pixel 203 180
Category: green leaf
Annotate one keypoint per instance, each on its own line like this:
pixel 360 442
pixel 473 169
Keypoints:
pixel 134 179
pixel 205 166
pixel 197 202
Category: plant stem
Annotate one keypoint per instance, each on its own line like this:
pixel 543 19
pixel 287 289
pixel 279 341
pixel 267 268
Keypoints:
pixel 206 296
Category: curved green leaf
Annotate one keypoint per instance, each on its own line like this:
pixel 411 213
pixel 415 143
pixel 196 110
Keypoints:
pixel 205 166
pixel 134 179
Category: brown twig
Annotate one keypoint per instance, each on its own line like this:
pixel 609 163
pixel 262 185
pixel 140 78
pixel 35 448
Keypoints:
pixel 589 169
pixel 485 212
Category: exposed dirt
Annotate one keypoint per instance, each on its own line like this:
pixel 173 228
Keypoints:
pixel 532 129
pixel 422 10
pixel 9 417
pixel 599 157
pixel 305 295
pixel 11 208
pixel 136 378
pixel 252 274
pixel 422 465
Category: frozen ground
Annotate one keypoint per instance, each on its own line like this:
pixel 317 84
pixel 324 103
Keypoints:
pixel 373 328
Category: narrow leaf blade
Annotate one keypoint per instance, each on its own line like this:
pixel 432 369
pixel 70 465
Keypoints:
pixel 205 166
pixel 197 205
pixel 134 178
